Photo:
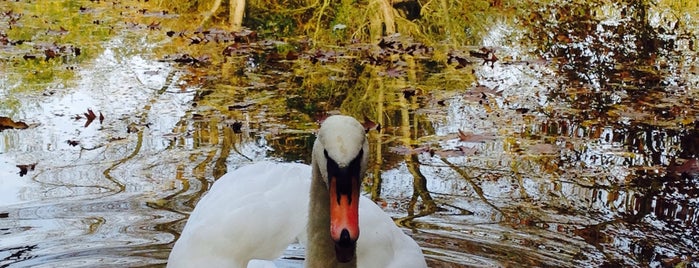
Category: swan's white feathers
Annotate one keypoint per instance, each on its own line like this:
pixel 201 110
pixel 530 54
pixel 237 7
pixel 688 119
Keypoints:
pixel 254 212
pixel 381 243
pixel 342 137
pixel 251 213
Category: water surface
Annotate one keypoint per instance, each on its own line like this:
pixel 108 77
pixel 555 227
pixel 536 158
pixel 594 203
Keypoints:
pixel 565 136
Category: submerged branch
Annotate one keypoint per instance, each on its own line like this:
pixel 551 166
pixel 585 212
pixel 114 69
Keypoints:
pixel 473 184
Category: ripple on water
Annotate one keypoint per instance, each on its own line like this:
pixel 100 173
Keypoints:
pixel 86 233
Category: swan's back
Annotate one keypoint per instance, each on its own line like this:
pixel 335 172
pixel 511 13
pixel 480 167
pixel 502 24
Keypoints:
pixel 256 211
pixel 381 243
pixel 253 212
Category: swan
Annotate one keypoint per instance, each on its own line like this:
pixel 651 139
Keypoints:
pixel 254 212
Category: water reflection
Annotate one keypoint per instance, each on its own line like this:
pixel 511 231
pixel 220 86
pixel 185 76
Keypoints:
pixel 581 147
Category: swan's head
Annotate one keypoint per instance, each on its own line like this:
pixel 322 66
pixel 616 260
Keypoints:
pixel 341 153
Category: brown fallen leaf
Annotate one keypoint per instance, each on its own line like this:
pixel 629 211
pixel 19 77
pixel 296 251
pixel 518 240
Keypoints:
pixel 240 106
pixel 154 25
pixel 472 137
pixel 24 169
pixel 457 57
pixel 50 53
pixel 132 128
pixel 7 123
pixel 689 166
pixel 487 54
pixel 237 127
pixel 197 117
pixel 402 150
pixel 448 153
pixel 90 115
pixel 460 151
pixel 543 148
pixel 370 125
pixel 116 139
pixel 409 92
pixel 467 150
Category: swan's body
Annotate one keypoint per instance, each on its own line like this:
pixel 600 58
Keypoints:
pixel 256 211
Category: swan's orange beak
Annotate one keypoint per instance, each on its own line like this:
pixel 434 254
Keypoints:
pixel 344 215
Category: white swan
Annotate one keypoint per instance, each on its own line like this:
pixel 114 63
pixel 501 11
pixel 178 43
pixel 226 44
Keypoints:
pixel 255 212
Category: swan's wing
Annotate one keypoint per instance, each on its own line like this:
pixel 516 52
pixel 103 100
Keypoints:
pixel 250 213
pixel 381 243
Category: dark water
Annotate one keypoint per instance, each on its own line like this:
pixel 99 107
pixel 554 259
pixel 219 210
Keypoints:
pixel 576 145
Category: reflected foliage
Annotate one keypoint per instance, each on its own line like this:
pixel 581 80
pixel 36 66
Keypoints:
pixel 626 86
pixel 566 137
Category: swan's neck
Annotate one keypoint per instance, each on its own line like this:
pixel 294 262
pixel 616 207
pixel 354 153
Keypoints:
pixel 320 251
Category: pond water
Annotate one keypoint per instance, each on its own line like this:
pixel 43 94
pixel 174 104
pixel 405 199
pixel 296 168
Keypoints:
pixel 567 136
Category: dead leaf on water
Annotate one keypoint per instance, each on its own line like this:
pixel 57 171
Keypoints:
pixel 237 127
pixel 7 123
pixel 240 105
pixel 472 137
pixel 486 54
pixel 24 169
pixel 480 93
pixel 409 92
pixel 544 148
pixel 370 125
pixel 689 166
pixel 90 115
pixel 403 150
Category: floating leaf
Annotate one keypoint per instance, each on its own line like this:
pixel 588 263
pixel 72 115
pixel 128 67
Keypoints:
pixel 237 127
pixel 467 150
pixel 370 125
pixel 522 110
pixel 154 26
pixel 7 123
pixel 24 169
pixel 460 60
pixel 402 150
pixel 544 148
pixel 90 115
pixel 393 72
pixel 240 106
pixel 60 31
pixel 689 166
pixel 132 128
pixel 487 54
pixel 472 137
pixel 480 93
pixel 116 139
pixel 409 92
